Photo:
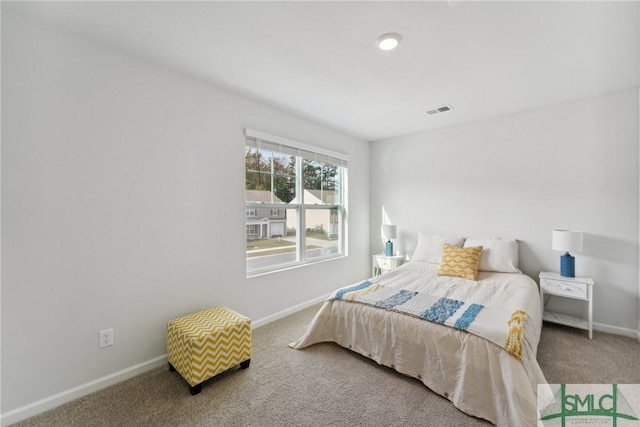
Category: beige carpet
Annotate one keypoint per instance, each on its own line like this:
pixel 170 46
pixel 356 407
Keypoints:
pixel 325 385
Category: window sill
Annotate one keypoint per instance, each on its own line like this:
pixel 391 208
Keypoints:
pixel 281 268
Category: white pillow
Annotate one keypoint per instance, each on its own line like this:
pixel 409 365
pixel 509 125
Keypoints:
pixel 499 255
pixel 429 248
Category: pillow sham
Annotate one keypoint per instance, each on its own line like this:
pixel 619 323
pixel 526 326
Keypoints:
pixel 499 255
pixel 429 247
pixel 460 262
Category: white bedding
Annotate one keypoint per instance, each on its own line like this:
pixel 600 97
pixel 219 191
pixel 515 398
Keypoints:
pixel 478 376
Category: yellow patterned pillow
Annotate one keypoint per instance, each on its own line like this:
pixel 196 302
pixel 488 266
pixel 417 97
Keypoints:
pixel 460 262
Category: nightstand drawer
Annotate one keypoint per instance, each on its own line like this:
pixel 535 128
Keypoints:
pixel 564 288
pixel 578 288
pixel 382 264
pixel 385 263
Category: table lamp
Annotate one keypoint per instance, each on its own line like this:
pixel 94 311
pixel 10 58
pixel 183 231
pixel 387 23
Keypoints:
pixel 390 232
pixel 565 240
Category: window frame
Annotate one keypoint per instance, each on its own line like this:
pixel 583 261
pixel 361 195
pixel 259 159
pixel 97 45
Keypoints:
pixel 338 210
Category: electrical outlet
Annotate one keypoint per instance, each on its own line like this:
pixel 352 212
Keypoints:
pixel 106 338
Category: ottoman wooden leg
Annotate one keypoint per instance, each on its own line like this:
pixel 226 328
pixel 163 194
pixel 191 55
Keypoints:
pixel 245 364
pixel 196 389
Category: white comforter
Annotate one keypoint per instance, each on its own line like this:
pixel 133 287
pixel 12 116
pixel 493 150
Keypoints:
pixel 478 376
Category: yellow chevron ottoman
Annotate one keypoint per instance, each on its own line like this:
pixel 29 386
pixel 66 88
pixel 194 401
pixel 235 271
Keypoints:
pixel 204 344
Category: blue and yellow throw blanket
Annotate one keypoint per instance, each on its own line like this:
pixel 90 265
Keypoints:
pixel 501 327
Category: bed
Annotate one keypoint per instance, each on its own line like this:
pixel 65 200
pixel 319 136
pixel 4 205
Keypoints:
pixel 477 374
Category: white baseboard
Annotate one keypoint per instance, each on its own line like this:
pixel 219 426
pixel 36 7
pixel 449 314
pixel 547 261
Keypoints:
pixel 288 311
pixel 35 408
pixel 616 330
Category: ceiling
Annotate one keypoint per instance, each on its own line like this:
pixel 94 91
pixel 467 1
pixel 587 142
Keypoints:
pixel 319 59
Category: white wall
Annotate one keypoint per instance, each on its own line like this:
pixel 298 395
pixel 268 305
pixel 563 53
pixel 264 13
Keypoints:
pixel 123 207
pixel 573 166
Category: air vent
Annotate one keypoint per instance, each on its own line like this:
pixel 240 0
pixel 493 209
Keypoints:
pixel 441 109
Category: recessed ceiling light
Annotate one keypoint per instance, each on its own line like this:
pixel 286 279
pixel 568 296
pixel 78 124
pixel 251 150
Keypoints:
pixel 389 41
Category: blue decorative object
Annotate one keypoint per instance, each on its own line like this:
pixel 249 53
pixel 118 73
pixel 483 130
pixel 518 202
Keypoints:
pixel 565 241
pixel 442 310
pixel 388 248
pixel 567 265
pixel 389 231
pixel 468 316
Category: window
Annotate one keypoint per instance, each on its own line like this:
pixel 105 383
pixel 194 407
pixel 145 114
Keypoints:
pixel 252 231
pixel 297 200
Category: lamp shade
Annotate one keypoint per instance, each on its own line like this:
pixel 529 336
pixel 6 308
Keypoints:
pixel 566 241
pixel 390 231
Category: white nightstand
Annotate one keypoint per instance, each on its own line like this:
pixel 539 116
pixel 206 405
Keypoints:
pixel 382 263
pixel 580 288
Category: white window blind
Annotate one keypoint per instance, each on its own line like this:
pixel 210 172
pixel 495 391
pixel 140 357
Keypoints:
pixel 262 140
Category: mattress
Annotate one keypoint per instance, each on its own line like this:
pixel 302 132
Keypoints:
pixel 478 376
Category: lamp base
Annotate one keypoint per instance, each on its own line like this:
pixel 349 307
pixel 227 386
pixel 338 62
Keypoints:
pixel 388 248
pixel 567 265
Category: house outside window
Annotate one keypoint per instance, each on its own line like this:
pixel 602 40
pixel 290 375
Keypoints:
pixel 295 203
